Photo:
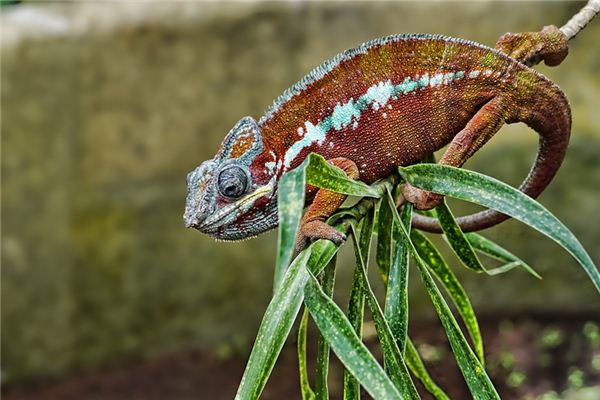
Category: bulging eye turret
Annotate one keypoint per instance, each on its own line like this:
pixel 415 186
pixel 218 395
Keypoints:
pixel 233 181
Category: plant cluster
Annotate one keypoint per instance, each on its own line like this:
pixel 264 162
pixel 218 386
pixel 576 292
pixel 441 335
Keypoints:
pixel 309 280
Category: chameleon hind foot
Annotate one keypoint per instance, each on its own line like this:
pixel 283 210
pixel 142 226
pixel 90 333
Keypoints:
pixel 421 199
pixel 549 45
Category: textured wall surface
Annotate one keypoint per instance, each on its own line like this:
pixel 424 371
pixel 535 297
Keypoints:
pixel 102 118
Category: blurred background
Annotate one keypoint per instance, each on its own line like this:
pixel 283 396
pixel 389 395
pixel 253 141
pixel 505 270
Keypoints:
pixel 105 108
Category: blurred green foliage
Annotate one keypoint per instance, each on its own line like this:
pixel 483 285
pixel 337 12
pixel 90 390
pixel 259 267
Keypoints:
pixel 99 129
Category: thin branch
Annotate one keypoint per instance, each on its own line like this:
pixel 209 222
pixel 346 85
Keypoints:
pixel 581 19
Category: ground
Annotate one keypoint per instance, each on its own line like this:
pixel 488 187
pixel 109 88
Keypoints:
pixel 535 356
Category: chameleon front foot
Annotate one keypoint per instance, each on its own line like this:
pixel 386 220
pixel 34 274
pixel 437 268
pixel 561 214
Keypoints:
pixel 421 199
pixel 325 203
pixel 318 230
pixel 550 45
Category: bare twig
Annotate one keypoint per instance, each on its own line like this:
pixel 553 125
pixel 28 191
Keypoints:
pixel 581 19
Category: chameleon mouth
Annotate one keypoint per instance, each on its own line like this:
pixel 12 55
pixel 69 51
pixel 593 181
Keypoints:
pixel 231 212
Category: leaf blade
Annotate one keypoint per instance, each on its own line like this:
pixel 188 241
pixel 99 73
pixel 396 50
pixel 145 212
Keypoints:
pixel 477 380
pixel 456 238
pixel 416 365
pixel 305 389
pixel 357 303
pixel 322 371
pixel 349 349
pixel 274 329
pixel 394 361
pixel 446 277
pixel 290 203
pixel 279 317
pixel 385 226
pixel 316 171
pixel 321 174
pixel 489 192
pixel 396 300
pixel 486 246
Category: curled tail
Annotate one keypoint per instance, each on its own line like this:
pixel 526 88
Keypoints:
pixel 544 108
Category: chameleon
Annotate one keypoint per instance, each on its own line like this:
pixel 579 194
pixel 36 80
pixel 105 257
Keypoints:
pixel 386 103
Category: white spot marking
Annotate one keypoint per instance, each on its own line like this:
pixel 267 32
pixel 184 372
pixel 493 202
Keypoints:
pixel 343 114
pixel 380 94
pixel 270 166
pixel 314 134
pixel 436 80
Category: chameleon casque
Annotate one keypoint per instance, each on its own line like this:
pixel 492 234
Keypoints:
pixel 386 103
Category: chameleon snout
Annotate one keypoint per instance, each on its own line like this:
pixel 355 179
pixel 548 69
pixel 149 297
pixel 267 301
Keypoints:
pixel 194 217
pixel 199 196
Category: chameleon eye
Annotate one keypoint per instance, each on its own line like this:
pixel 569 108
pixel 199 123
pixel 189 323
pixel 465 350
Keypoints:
pixel 232 182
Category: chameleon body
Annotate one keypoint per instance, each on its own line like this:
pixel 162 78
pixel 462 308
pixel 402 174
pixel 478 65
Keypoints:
pixel 389 102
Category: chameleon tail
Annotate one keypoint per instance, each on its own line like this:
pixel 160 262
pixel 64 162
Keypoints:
pixel 546 110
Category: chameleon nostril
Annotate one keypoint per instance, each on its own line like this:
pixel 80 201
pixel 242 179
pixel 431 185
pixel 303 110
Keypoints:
pixel 192 217
pixel 189 222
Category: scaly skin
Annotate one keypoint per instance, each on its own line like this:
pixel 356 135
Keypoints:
pixel 388 102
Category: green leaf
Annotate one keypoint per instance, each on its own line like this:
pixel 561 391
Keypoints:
pixel 475 376
pixel 442 271
pixel 321 174
pixel 456 238
pixel 279 317
pixel 275 328
pixel 357 302
pixel 348 347
pixel 394 361
pixel 494 250
pixel 385 226
pixel 321 388
pixel 491 193
pixel 396 300
pixel 316 171
pixel 414 362
pixel 307 392
pixel 290 204
pixel 464 246
pixel 428 213
pixel 504 268
pixel 477 380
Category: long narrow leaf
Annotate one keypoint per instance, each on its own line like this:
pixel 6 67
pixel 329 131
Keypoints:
pixel 393 358
pixel 357 302
pixel 494 250
pixel 355 316
pixel 491 193
pixel 324 175
pixel 305 389
pixel 475 376
pixel 316 171
pixel 275 328
pixel 504 268
pixel 321 387
pixel 396 300
pixel 290 203
pixel 385 226
pixel 348 347
pixel 477 380
pixel 442 271
pixel 457 240
pixel 279 317
pixel 414 362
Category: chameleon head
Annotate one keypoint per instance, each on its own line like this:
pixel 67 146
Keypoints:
pixel 232 196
